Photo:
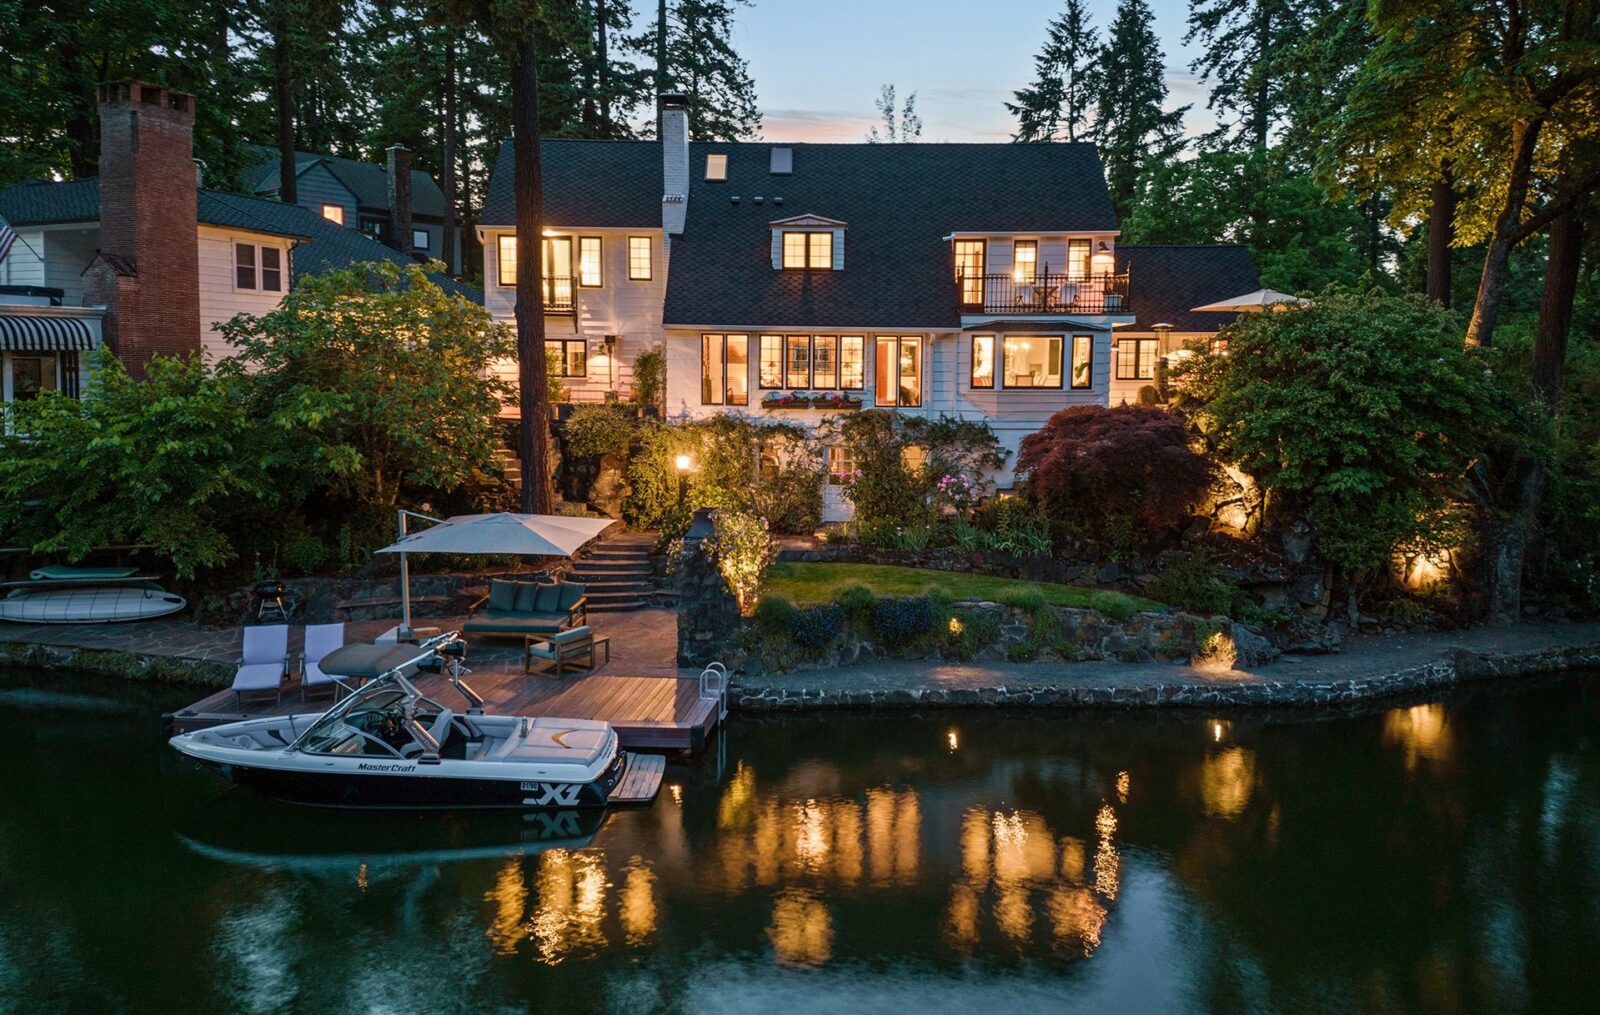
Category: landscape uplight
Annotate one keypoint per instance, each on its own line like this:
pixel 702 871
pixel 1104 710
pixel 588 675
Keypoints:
pixel 683 463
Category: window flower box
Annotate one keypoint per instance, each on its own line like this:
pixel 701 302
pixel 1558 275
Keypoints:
pixel 787 400
pixel 836 402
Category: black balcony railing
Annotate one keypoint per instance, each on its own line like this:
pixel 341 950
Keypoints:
pixel 1043 294
pixel 558 294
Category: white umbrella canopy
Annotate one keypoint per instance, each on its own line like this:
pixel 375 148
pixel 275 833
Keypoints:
pixel 1261 299
pixel 500 533
pixel 504 533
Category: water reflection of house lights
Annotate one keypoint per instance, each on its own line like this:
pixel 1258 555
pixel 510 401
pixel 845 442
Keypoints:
pixel 677 793
pixel 1124 783
pixel 952 740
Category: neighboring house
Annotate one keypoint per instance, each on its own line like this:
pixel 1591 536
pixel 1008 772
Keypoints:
pixel 364 196
pixel 1171 281
pixel 144 260
pixel 974 280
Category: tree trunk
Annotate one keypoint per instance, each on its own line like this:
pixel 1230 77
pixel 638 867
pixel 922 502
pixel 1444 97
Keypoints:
pixel 1441 231
pixel 533 444
pixel 602 59
pixel 1555 306
pixel 447 159
pixel 661 47
pixel 1260 115
pixel 590 113
pixel 1491 286
pixel 288 193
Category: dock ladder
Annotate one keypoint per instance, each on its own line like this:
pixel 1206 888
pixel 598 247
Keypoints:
pixel 714 685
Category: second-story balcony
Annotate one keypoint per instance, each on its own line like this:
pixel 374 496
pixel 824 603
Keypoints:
pixel 1043 294
pixel 558 294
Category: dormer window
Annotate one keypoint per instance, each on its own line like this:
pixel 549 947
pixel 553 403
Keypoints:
pixel 716 167
pixel 808 250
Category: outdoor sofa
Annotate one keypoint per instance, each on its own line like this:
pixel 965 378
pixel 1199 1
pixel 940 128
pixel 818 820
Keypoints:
pixel 518 609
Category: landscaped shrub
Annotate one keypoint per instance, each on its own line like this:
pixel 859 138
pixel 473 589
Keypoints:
pixel 1193 581
pixel 1114 605
pixel 901 622
pixel 815 628
pixel 970 632
pixel 1115 476
pixel 594 431
pixel 743 550
pixel 887 487
pixel 857 602
pixel 774 617
pixel 649 377
pixel 769 468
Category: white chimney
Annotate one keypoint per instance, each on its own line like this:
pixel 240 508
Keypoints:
pixel 674 129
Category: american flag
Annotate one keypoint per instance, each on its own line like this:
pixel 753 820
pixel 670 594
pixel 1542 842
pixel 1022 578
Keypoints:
pixel 8 236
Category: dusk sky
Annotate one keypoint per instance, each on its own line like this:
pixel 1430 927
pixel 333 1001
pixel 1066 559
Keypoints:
pixel 818 64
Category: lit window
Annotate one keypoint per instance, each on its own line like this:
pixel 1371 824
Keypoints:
pixel 1025 260
pixel 969 270
pixel 244 266
pixel 716 167
pixel 808 250
pixel 1077 259
pixel 569 357
pixel 841 465
pixel 1032 361
pixel 797 373
pixel 1082 361
pixel 1136 359
pixel 419 239
pixel 333 213
pixel 852 362
pixel 983 361
pixel 824 362
pixel 770 374
pixel 271 270
pixel 557 266
pixel 725 369
pixel 913 457
pixel 899 380
pixel 639 253
pixel 507 273
pixel 589 261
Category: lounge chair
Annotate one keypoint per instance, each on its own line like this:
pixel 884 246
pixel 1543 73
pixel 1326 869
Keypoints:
pixel 264 662
pixel 564 650
pixel 520 609
pixel 321 639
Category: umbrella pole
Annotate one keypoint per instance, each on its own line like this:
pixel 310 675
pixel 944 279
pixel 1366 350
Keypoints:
pixel 405 584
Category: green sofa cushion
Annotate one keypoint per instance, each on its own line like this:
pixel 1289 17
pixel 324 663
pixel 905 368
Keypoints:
pixel 526 591
pixel 548 599
pixel 502 594
pixel 493 622
pixel 573 634
pixel 571 592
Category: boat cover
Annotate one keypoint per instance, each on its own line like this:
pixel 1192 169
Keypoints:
pixel 367 662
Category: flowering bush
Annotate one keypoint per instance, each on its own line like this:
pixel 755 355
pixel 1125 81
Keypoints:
pixel 813 629
pixel 743 550
pixel 899 623
pixel 959 490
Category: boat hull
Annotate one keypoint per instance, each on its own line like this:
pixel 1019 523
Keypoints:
pixel 405 785
pixel 98 605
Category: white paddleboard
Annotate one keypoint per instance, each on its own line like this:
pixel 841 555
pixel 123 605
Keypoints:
pixel 102 605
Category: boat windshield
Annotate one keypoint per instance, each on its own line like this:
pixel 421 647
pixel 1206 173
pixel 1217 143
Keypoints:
pixel 370 721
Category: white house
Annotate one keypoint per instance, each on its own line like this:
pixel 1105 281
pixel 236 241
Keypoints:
pixel 983 281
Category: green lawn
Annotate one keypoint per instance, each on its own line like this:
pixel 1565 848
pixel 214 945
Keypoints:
pixel 810 584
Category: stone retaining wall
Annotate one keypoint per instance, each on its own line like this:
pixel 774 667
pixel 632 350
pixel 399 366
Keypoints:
pixel 752 696
pixel 140 666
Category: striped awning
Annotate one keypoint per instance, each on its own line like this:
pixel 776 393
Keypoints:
pixel 37 333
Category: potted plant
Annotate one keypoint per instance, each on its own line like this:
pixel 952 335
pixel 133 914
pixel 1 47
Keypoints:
pixel 836 400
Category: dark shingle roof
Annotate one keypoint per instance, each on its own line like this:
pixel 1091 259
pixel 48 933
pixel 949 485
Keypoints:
pixel 601 184
pixel 900 201
pixel 323 245
pixel 1165 281
pixel 367 181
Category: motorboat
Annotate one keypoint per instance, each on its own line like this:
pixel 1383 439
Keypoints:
pixel 387 745
pixel 56 594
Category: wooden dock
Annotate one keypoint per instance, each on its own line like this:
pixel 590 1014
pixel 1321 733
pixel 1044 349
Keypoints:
pixel 648 712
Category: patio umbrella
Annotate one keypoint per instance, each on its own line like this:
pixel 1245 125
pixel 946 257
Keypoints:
pixel 1261 299
pixel 500 533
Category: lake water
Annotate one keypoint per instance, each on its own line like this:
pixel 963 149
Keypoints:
pixel 1435 856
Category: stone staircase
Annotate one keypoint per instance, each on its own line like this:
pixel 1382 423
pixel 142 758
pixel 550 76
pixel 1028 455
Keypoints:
pixel 617 572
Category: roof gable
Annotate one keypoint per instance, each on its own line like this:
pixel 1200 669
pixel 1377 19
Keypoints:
pixel 367 182
pixel 807 222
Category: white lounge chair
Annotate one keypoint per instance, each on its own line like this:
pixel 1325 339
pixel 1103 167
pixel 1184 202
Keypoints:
pixel 264 662
pixel 321 639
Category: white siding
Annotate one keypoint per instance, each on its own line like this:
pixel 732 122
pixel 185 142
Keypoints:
pixel 219 299
pixel 53 257
pixel 621 306
pixel 25 264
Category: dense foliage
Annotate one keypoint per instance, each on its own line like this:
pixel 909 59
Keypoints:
pixel 1360 411
pixel 901 462
pixel 1118 476
pixel 743 550
pixel 364 390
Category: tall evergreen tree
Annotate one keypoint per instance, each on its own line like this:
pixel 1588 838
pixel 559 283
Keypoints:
pixel 1059 104
pixel 1131 125
pixel 1246 55
pixel 693 41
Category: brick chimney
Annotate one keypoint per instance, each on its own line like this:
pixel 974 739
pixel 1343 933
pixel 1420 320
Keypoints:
pixel 147 270
pixel 399 169
pixel 673 112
